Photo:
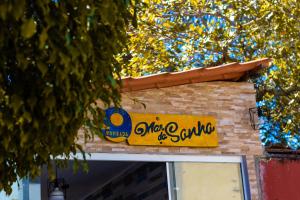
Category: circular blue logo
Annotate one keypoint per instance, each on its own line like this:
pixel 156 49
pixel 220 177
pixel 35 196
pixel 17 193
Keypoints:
pixel 117 124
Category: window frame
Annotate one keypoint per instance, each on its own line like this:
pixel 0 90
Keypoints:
pixel 170 158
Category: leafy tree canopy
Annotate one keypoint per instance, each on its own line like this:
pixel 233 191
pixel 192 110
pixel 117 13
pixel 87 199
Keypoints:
pixel 177 35
pixel 57 58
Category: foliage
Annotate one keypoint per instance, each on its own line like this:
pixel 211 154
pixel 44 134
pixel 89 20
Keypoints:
pixel 178 35
pixel 57 58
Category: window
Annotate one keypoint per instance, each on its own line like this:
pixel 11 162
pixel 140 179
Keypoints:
pixel 202 181
pixel 145 176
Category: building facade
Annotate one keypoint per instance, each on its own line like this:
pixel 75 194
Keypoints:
pixel 216 93
pixel 214 159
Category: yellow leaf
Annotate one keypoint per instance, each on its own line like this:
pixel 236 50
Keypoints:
pixel 199 30
pixel 192 27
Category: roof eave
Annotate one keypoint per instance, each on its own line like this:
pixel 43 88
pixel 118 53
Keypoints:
pixel 226 72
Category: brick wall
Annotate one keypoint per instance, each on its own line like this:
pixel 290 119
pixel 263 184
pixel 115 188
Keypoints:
pixel 227 101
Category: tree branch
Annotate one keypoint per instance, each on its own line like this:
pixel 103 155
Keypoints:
pixel 200 14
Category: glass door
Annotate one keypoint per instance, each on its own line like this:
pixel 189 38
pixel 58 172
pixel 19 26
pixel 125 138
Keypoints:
pixel 205 181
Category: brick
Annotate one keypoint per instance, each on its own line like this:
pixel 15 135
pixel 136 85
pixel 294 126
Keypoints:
pixel 227 101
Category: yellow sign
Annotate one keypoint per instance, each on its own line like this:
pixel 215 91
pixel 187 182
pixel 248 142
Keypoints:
pixel 160 129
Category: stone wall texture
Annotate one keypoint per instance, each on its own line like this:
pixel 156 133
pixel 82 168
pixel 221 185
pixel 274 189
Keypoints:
pixel 229 102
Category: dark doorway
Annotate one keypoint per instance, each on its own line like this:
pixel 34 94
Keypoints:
pixel 116 180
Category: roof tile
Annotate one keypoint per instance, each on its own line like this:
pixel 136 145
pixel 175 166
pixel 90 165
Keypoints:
pixel 225 72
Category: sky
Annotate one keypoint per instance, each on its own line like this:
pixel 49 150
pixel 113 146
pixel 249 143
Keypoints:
pixel 13 196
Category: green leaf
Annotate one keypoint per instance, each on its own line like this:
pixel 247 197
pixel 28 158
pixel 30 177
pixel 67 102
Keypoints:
pixel 48 78
pixel 18 9
pixel 43 38
pixel 16 102
pixel 42 67
pixel 28 28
